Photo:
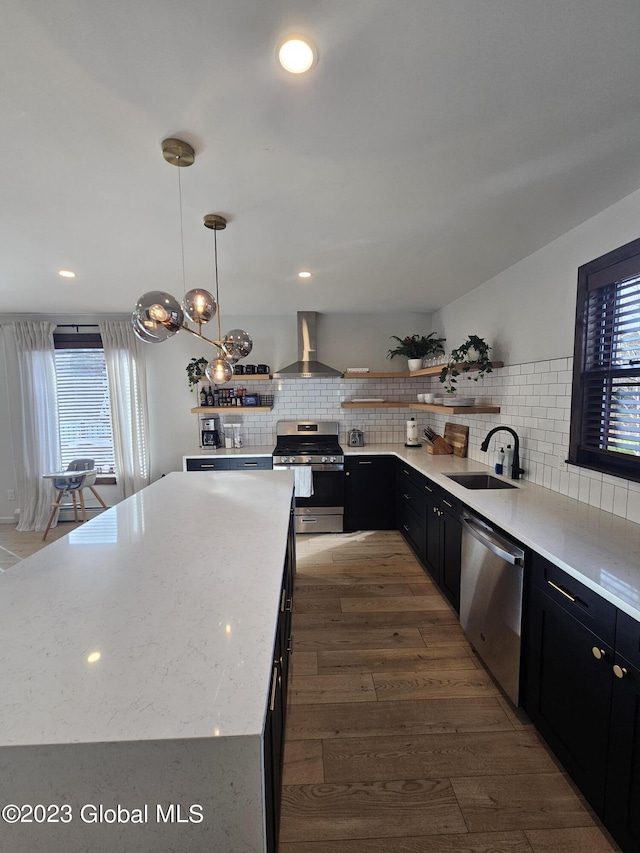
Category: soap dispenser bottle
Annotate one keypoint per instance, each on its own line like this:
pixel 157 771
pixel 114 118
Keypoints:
pixel 499 466
pixel 508 462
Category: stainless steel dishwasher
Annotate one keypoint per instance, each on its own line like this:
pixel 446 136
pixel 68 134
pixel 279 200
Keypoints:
pixel 491 600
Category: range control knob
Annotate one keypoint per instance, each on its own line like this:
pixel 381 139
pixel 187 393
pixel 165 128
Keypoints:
pixel 292 459
pixel 333 459
pixel 324 458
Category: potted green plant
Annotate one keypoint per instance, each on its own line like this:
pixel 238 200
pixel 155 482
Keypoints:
pixel 195 371
pixel 416 347
pixel 473 354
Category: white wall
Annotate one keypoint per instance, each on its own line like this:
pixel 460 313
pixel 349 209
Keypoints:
pixel 527 312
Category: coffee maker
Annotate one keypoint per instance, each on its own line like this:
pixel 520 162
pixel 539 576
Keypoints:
pixel 210 433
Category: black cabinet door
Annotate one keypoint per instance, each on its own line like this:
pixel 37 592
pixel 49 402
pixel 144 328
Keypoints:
pixel 276 710
pixel 568 692
pixel 433 548
pixel 369 500
pixel 451 546
pixel 622 802
pixel 622 805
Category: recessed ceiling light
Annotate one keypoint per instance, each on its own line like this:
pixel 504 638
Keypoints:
pixel 304 274
pixel 296 54
pixel 93 657
pixel 66 274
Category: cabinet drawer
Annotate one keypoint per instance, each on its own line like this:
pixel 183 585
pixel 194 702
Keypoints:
pixel 413 528
pixel 407 474
pixel 584 604
pixel 208 464
pixel 628 638
pixel 251 463
pixel 450 504
pixel 413 496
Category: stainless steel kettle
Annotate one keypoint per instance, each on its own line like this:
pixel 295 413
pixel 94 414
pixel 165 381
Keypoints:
pixel 356 438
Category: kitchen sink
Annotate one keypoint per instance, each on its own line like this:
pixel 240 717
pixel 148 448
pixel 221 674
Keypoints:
pixel 480 481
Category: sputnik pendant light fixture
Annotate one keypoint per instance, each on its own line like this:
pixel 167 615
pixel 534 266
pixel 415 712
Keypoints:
pixel 158 315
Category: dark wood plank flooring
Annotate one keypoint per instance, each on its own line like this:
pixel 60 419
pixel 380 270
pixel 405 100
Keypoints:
pixel 397 738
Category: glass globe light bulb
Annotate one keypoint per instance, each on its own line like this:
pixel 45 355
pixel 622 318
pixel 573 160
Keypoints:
pixel 219 371
pixel 158 313
pixel 199 305
pixel 158 309
pixel 149 331
pixel 238 344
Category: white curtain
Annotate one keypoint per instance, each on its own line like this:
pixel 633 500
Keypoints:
pixel 128 396
pixel 33 412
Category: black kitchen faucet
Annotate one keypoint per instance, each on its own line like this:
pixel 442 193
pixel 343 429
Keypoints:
pixel 516 470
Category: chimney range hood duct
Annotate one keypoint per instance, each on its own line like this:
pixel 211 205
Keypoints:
pixel 306 367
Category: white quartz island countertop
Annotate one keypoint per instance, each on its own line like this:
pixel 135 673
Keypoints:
pixel 136 658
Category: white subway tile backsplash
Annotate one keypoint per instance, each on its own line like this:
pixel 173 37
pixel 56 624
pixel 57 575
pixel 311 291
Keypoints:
pixel 620 495
pixel 633 506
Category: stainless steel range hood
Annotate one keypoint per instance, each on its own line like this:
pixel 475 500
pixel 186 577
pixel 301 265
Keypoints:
pixel 306 367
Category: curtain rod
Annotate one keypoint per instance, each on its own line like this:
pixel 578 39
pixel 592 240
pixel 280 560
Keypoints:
pixel 77 326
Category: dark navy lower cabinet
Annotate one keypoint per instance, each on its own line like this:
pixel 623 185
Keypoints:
pixel 583 693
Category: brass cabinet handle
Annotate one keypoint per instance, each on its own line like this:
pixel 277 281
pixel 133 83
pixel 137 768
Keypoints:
pixel 447 503
pixel 562 591
pixel 290 645
pixel 346 474
pixel 282 600
pixel 619 671
pixel 289 604
pixel 598 653
pixel 361 462
pixel 428 489
pixel 405 527
pixel 406 496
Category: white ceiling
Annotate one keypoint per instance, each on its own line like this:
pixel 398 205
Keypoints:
pixel 435 143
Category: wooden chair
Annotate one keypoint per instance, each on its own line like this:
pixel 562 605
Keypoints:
pixel 73 484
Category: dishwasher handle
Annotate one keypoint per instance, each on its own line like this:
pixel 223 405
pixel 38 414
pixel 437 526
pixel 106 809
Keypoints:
pixel 493 541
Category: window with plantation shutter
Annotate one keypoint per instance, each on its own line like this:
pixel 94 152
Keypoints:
pixel 605 408
pixel 83 401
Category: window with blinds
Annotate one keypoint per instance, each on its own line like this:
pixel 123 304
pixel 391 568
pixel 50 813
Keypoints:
pixel 605 414
pixel 83 401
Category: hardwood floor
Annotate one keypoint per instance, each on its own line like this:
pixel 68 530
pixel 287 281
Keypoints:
pixel 397 738
pixel 15 546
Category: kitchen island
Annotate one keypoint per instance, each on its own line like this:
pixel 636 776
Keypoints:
pixel 137 658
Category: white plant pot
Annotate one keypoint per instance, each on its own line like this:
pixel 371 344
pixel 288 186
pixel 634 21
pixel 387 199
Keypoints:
pixel 415 364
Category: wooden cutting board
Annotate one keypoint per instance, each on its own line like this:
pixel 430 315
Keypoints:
pixel 458 437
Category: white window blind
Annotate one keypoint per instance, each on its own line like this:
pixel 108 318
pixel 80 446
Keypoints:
pixel 83 407
pixel 611 419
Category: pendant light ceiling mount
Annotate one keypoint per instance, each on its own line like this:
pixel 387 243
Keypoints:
pixel 158 316
pixel 178 153
pixel 215 222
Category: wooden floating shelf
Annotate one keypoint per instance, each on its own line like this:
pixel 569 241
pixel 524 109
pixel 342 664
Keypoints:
pixel 437 369
pixel 456 410
pixel 375 375
pixel 241 377
pixel 426 407
pixel 399 404
pixel 205 410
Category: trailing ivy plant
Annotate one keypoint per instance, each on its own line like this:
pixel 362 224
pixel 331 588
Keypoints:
pixel 473 354
pixel 195 371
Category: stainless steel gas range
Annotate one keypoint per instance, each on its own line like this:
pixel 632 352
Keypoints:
pixel 312 451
